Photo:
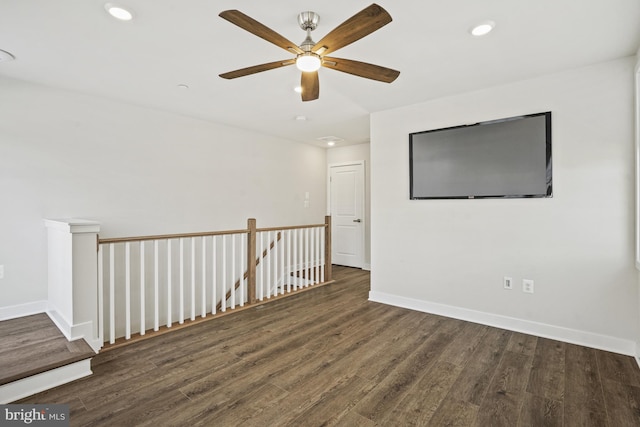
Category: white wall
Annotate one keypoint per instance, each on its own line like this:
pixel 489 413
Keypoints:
pixel 136 171
pixel 451 255
pixel 348 154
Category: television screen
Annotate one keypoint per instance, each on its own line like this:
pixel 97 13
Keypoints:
pixel 499 158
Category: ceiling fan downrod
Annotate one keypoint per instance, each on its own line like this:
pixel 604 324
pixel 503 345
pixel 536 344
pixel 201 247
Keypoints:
pixel 308 21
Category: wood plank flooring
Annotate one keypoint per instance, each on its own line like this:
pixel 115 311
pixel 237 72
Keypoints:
pixel 330 357
pixel 33 344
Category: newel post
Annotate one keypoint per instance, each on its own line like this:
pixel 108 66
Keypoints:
pixel 73 278
pixel 251 260
pixel 327 248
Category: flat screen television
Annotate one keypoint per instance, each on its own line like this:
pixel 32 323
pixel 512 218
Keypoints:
pixel 505 158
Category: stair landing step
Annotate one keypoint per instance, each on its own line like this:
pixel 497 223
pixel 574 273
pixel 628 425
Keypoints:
pixel 32 345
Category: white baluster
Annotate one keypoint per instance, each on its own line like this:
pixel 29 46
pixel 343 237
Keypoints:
pixel 112 294
pixel 302 265
pixel 127 290
pixel 306 257
pixel 322 255
pixel 233 271
pixel 156 287
pixel 204 277
pixel 223 296
pixel 312 273
pixel 101 293
pixel 193 278
pixel 301 277
pixel 275 263
pixel 299 260
pixel 296 269
pixel 181 294
pixel 214 276
pixel 282 284
pixel 267 260
pixel 169 291
pixel 142 290
pixel 289 270
pixel 242 268
pixel 318 237
pixel 261 261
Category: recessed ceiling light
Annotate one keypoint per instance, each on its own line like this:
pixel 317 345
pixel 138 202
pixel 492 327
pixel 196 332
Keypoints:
pixel 483 28
pixel 118 12
pixel 301 118
pixel 330 140
pixel 298 89
pixel 6 56
pixel 183 86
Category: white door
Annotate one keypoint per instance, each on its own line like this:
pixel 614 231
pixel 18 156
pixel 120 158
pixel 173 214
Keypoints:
pixel 346 187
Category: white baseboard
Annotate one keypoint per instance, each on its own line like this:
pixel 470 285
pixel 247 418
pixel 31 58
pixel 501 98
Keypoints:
pixel 367 266
pixel 75 332
pixel 573 336
pixel 21 310
pixel 61 323
pixel 36 383
pixel 96 344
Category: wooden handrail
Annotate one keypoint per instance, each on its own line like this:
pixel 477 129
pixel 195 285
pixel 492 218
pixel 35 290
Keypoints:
pixel 291 227
pixel 203 234
pixel 170 236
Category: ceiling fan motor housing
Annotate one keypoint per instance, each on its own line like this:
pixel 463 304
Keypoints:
pixel 308 20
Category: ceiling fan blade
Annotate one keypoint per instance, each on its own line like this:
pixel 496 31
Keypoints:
pixel 359 25
pixel 310 84
pixel 257 69
pixel 361 69
pixel 254 27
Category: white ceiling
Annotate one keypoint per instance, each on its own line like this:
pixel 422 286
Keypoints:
pixel 76 45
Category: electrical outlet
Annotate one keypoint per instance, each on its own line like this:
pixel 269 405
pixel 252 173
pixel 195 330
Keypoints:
pixel 527 286
pixel 507 282
pixel 1 271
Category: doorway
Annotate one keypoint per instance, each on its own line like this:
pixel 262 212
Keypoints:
pixel 346 207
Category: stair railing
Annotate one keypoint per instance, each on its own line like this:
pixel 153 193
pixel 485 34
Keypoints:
pixel 151 283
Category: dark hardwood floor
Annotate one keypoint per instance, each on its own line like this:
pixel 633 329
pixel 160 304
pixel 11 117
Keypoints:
pixel 330 357
pixel 33 344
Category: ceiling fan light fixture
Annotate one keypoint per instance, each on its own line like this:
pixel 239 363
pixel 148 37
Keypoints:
pixel 308 62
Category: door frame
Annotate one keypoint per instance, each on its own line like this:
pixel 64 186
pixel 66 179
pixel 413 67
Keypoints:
pixel 363 203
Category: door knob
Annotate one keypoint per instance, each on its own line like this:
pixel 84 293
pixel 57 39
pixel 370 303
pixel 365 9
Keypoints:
pixel 357 220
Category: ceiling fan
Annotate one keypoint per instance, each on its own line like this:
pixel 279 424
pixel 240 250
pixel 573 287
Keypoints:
pixel 310 56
